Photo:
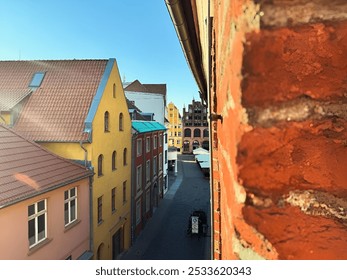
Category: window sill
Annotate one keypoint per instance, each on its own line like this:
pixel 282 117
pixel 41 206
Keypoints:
pixel 100 222
pixel 38 246
pixel 114 211
pixel 71 225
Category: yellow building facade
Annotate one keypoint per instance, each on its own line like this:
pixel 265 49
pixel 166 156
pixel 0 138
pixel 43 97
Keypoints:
pixel 175 126
pixel 111 186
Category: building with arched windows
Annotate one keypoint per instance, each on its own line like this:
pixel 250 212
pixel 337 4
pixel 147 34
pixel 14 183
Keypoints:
pixel 195 127
pixel 83 117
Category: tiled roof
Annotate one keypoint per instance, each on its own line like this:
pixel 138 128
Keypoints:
pixel 26 169
pixel 147 126
pixel 136 86
pixel 55 111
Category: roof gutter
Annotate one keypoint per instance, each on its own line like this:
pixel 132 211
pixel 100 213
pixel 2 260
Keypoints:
pixel 179 18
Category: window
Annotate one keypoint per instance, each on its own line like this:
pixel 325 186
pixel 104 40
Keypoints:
pixel 70 206
pixel 187 132
pixel 165 157
pixel 106 121
pixel 138 212
pixel 139 147
pixel 114 90
pixel 148 201
pixel 154 166
pixel 124 192
pixel 179 134
pixel 125 156
pixel 178 142
pixel 160 140
pixel 148 144
pixel 197 132
pixel 37 79
pixel 37 222
pixel 148 170
pixel 100 210
pixel 155 142
pixel 160 162
pixel 114 160
pixel 121 122
pixel 100 159
pixel 139 178
pixel 165 138
pixel 113 200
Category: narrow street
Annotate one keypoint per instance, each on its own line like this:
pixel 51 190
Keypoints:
pixel 164 237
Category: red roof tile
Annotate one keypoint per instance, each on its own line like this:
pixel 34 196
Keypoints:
pixel 26 169
pixel 55 111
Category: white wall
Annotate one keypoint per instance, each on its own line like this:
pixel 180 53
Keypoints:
pixel 149 103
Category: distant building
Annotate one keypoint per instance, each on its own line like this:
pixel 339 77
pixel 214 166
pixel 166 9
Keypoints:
pixel 151 100
pixel 174 127
pixel 44 203
pixel 147 171
pixel 195 127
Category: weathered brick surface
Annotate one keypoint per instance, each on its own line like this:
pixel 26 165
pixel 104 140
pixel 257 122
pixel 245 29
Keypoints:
pixel 286 63
pixel 296 235
pixel 282 173
pixel 298 155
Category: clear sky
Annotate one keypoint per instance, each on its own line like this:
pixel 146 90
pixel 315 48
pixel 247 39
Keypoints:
pixel 138 33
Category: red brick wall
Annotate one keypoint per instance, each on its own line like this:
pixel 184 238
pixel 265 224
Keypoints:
pixel 280 152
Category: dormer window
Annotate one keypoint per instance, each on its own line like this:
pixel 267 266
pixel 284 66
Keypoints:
pixel 37 79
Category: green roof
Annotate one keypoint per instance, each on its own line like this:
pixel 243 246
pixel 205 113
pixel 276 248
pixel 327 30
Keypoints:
pixel 147 126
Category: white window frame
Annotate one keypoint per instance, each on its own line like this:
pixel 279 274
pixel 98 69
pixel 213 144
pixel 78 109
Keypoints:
pixel 155 144
pixel 160 140
pixel 139 147
pixel 148 144
pixel 68 201
pixel 35 216
pixel 160 162
pixel 139 178
pixel 148 171
pixel 154 166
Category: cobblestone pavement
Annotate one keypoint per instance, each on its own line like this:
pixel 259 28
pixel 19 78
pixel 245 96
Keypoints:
pixel 164 237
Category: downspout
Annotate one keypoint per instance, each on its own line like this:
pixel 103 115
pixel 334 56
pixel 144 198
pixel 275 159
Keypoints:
pixel 91 240
pixel 85 155
pixel 208 88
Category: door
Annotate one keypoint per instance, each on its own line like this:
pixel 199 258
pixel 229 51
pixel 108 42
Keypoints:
pixel 117 243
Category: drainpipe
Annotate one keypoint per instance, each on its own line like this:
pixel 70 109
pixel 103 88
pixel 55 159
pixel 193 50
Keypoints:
pixel 208 88
pixel 91 243
pixel 85 155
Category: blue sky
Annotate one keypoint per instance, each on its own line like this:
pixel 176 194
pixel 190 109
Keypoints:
pixel 139 34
